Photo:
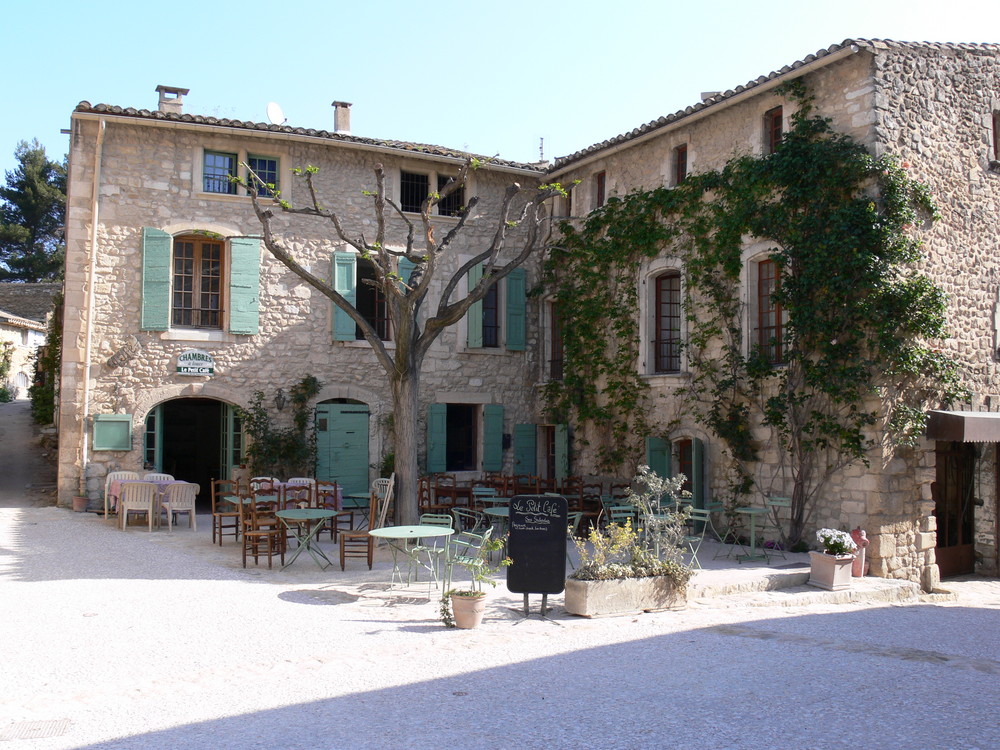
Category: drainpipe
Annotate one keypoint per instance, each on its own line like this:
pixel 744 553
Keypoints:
pixel 92 274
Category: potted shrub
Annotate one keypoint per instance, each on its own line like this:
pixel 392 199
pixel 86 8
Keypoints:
pixel 624 569
pixel 464 608
pixel 830 566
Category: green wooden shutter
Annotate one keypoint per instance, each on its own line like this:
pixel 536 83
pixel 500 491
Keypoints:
pixel 345 282
pixel 475 314
pixel 493 437
pixel 406 267
pixel 562 451
pixel 698 470
pixel 516 314
pixel 156 247
pixel 658 456
pixel 437 438
pixel 244 285
pixel 525 448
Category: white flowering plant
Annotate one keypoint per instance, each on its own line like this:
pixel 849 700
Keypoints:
pixel 834 542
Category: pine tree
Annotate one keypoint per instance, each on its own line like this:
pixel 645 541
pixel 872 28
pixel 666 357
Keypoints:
pixel 32 211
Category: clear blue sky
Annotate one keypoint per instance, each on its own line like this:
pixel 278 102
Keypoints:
pixel 488 77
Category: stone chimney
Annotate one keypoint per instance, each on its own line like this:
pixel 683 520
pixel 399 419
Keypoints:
pixel 171 99
pixel 706 95
pixel 342 117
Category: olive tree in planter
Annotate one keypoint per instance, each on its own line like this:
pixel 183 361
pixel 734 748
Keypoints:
pixel 624 569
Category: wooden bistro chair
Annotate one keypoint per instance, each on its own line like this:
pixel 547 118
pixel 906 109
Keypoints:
pixel 328 497
pixel 180 498
pixel 425 498
pixel 226 502
pixel 138 497
pixel 358 542
pixel 263 534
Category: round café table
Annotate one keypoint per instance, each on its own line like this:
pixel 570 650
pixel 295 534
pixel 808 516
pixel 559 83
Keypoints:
pixel 398 538
pixel 305 524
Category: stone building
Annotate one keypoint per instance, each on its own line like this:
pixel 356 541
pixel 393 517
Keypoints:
pixel 937 107
pixel 148 187
pixel 176 314
pixel 24 310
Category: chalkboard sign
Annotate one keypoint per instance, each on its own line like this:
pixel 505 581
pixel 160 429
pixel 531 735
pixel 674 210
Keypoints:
pixel 537 544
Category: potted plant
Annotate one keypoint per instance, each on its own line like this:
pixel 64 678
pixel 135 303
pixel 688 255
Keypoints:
pixel 624 569
pixel 830 566
pixel 464 608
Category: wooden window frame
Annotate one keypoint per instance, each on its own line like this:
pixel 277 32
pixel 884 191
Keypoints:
pixel 202 315
pixel 600 188
pixel 667 323
pixel 212 175
pixel 770 316
pixel 773 129
pixel 271 176
pixel 680 163
pixel 370 301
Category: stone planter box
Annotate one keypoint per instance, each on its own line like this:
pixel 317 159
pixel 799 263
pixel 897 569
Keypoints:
pixel 623 596
pixel 829 571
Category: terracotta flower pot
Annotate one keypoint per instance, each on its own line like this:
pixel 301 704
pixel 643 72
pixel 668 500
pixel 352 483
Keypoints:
pixel 80 503
pixel 468 611
pixel 830 572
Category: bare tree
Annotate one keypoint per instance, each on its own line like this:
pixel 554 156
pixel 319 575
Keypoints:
pixel 414 331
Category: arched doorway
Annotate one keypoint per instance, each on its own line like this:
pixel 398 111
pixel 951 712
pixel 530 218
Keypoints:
pixel 194 439
pixel 342 443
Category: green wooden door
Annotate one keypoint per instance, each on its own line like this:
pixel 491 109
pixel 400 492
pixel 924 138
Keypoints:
pixel 342 445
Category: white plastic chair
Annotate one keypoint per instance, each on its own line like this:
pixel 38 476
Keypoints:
pixel 138 497
pixel 115 476
pixel 382 489
pixel 154 477
pixel 180 498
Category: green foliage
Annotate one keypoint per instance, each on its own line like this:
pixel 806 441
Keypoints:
pixel 282 452
pixel 6 358
pixel 48 359
pixel 841 222
pixel 32 212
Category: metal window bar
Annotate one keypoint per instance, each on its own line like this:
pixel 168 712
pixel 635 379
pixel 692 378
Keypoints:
pixel 218 169
pixel 667 355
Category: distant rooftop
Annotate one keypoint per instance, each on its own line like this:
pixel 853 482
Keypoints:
pixel 29 301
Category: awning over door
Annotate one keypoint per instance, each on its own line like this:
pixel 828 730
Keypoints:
pixel 964 426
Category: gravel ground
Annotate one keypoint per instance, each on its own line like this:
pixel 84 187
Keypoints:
pixel 138 640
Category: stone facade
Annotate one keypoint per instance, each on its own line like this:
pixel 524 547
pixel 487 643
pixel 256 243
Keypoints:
pixel 934 107
pixel 131 170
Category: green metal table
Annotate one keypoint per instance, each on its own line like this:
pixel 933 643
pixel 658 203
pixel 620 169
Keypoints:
pixel 755 553
pixel 305 524
pixel 399 536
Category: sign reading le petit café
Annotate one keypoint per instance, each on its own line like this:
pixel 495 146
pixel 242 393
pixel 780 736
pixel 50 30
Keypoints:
pixel 195 362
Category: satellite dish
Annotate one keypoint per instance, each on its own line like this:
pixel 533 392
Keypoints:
pixel 274 114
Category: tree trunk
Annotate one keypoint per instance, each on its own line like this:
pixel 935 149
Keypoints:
pixel 405 388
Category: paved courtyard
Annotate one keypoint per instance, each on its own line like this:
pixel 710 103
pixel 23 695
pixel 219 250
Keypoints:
pixel 135 640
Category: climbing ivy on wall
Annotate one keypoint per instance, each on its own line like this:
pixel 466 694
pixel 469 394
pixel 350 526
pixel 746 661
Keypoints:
pixel 282 452
pixel 839 224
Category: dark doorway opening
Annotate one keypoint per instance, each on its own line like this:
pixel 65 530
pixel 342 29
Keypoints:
pixel 461 446
pixel 954 507
pixel 192 441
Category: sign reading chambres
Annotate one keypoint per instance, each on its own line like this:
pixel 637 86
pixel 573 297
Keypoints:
pixel 537 544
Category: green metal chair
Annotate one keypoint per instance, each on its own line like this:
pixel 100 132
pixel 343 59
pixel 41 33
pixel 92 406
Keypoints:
pixel 772 523
pixel 467 551
pixel 699 521
pixel 467 519
pixel 622 514
pixel 572 526
pixel 435 550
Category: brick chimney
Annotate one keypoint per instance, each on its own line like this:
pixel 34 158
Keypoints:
pixel 342 117
pixel 171 99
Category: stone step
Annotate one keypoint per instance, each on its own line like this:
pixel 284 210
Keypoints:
pixel 790 590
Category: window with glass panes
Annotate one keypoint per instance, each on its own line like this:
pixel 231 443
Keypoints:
pixel 197 283
pixel 452 204
pixel 217 170
pixel 772 130
pixel 266 168
pixel 667 344
pixel 600 184
pixel 680 163
pixel 413 188
pixel 371 301
pixel 770 331
pixel 491 318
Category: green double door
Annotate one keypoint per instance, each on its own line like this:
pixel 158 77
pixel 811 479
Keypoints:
pixel 342 445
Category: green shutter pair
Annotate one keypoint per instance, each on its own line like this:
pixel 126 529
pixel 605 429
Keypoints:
pixel 345 282
pixel 244 282
pixel 437 437
pixel 515 311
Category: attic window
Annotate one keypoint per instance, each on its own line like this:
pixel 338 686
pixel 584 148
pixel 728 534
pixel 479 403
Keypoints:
pixel 772 130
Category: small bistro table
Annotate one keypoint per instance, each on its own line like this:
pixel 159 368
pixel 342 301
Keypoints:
pixel 398 536
pixel 754 554
pixel 305 524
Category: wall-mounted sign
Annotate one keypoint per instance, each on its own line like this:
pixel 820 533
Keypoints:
pixel 195 362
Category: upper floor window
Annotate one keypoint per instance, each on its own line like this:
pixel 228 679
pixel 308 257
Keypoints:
pixel 772 129
pixel 491 318
pixel 600 186
pixel 680 163
pixel 266 168
pixel 568 201
pixel 498 319
pixel 555 343
pixel 371 301
pixel 770 316
pixel 197 283
pixel 217 172
pixel 667 342
pixel 415 186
